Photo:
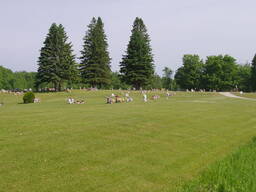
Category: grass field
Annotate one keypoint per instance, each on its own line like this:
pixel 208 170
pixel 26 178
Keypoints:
pixel 154 146
pixel 247 95
pixel 236 172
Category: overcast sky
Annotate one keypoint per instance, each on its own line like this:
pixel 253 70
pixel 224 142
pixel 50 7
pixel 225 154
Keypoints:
pixel 176 27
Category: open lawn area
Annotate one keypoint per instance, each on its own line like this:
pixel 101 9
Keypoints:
pixel 247 95
pixel 150 147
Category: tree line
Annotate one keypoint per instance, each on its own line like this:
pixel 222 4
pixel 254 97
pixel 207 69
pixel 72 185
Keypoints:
pixel 10 80
pixel 220 73
pixel 16 80
pixel 58 67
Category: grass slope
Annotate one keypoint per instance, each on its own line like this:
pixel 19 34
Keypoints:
pixel 53 146
pixel 235 173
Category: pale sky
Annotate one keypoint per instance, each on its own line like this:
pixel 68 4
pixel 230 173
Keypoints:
pixel 176 27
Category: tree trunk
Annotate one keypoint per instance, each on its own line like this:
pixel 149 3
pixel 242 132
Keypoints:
pixel 137 86
pixel 55 86
pixel 59 87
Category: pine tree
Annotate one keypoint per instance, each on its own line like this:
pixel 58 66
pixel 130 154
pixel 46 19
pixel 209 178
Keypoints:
pixel 95 61
pixel 137 66
pixel 253 73
pixel 68 66
pixel 56 62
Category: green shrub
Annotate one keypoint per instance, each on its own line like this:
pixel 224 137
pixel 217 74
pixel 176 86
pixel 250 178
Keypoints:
pixel 29 97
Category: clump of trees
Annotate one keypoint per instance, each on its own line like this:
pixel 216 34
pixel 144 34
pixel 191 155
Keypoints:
pixel 16 80
pixel 220 73
pixel 57 64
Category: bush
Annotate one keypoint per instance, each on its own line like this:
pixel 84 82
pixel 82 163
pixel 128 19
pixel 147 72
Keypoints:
pixel 29 97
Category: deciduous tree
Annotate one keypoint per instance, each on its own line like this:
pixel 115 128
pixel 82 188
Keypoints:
pixel 189 76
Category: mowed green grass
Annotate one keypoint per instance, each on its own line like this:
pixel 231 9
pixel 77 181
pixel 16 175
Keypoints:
pixel 155 146
pixel 247 95
pixel 236 172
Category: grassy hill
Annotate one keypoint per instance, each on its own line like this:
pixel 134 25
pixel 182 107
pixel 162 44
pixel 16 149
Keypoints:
pixel 154 146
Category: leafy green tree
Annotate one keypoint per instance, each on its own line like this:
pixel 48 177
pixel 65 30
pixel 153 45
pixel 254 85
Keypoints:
pixel 19 80
pixel 244 77
pixel 6 78
pixel 16 80
pixel 189 76
pixel 95 61
pixel 116 82
pixel 137 66
pixel 167 78
pixel 253 73
pixel 24 80
pixel 56 62
pixel 220 73
pixel 156 82
pixel 174 85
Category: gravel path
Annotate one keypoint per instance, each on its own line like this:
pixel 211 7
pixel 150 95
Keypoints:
pixel 228 94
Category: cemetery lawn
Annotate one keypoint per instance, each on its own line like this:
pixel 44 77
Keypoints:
pixel 247 95
pixel 125 147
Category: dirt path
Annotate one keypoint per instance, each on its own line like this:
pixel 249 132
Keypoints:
pixel 228 94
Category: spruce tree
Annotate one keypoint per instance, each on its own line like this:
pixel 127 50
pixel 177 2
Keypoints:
pixel 95 61
pixel 253 73
pixel 137 66
pixel 56 62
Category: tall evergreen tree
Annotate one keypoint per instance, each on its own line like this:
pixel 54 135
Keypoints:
pixel 253 73
pixel 56 62
pixel 95 61
pixel 137 66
